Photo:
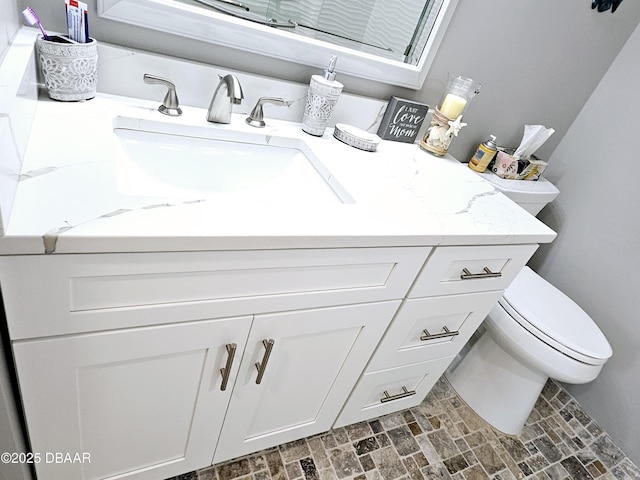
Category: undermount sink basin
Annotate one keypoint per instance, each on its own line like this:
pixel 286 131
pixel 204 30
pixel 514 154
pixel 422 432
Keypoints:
pixel 213 163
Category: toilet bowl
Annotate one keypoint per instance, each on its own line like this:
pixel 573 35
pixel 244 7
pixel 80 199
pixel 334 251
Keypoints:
pixel 534 333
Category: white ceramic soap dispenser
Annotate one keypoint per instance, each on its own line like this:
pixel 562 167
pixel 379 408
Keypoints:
pixel 323 95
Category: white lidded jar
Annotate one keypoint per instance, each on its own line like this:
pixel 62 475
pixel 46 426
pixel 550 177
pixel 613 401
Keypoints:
pixel 322 97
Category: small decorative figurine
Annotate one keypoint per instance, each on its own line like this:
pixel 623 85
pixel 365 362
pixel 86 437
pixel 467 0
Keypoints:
pixel 440 133
pixel 455 126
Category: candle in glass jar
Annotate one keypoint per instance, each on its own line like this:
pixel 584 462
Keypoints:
pixel 452 106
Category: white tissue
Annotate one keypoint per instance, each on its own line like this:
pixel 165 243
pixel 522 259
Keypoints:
pixel 533 138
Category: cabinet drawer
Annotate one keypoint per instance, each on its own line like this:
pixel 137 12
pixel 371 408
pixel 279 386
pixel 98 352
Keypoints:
pixel 53 295
pixel 387 391
pixel 451 270
pixel 426 328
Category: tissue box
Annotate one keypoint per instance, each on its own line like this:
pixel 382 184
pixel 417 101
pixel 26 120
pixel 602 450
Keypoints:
pixel 506 166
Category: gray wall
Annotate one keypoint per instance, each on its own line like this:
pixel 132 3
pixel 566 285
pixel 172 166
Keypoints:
pixel 539 62
pixel 596 257
pixel 11 437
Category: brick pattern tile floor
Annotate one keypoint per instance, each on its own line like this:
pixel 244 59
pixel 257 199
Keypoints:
pixel 443 439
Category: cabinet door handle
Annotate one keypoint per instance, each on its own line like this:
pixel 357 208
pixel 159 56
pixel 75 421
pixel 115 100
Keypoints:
pixel 405 393
pixel 261 366
pixel 445 334
pixel 226 371
pixel 486 273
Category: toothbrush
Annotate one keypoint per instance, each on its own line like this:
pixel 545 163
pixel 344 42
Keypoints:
pixel 32 18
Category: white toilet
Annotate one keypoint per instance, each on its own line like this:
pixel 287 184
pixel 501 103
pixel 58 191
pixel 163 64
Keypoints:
pixel 535 332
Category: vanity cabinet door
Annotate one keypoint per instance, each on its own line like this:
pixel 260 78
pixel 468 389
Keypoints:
pixel 141 403
pixel 309 361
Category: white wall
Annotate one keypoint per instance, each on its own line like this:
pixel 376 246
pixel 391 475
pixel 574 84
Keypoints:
pixel 9 24
pixel 10 430
pixel 596 257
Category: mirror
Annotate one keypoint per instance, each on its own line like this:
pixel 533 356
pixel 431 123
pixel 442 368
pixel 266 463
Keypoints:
pixel 393 42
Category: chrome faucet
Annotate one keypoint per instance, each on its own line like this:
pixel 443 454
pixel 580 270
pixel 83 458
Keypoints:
pixel 227 93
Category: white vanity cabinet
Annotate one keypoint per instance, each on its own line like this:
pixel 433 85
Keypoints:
pixel 310 359
pixel 455 291
pixel 122 356
pixel 156 364
pixel 148 402
pixel 144 403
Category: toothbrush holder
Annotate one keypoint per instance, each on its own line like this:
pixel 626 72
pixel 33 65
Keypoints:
pixel 70 70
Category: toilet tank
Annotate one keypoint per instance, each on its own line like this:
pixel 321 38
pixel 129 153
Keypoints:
pixel 530 195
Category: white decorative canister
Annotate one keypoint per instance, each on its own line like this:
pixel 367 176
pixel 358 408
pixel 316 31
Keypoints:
pixel 70 70
pixel 322 97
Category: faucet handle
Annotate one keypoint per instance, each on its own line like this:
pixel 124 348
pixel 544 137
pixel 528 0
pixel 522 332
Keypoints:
pixel 170 105
pixel 256 117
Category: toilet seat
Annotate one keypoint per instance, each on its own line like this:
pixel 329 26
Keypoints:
pixel 555 319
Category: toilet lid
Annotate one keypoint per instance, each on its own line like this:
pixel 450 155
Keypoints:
pixel 554 318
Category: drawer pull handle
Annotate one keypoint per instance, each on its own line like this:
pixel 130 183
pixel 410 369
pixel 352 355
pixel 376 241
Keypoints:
pixel 226 371
pixel 445 334
pixel 405 393
pixel 261 366
pixel 486 273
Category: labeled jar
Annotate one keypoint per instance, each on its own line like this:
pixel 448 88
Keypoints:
pixel 484 154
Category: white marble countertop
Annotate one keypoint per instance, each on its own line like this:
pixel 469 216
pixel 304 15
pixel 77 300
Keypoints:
pixel 68 199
